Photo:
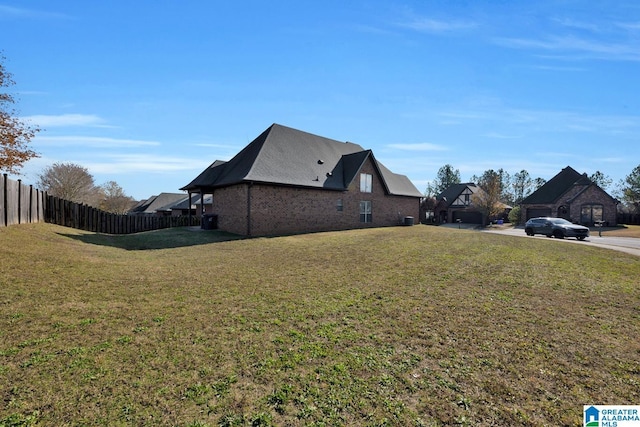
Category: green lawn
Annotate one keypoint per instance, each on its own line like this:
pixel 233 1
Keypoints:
pixel 398 326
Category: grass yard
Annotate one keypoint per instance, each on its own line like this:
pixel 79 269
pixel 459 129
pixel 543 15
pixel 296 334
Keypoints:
pixel 403 326
pixel 621 231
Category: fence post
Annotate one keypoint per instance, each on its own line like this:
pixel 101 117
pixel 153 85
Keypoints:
pixel 5 202
pixel 19 201
pixel 31 203
pixel 37 205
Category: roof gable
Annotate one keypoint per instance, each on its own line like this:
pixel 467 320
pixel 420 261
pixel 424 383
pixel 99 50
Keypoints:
pixel 451 193
pixel 553 189
pixel 210 174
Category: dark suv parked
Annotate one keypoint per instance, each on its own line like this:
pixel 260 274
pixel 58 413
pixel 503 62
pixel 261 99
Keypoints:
pixel 555 227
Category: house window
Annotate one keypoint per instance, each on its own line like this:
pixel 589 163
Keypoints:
pixel 365 211
pixel 365 182
pixel 591 213
pixel 339 206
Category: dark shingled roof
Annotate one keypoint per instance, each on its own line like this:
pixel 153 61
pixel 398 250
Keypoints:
pixel 156 203
pixel 286 156
pixel 553 189
pixel 453 191
pixel 196 200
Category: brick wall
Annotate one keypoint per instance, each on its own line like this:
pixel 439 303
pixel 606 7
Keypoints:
pixel 592 195
pixel 287 210
pixel 230 204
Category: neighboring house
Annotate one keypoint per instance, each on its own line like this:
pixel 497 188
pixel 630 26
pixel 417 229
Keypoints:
pixel 572 196
pixel 159 205
pixel 455 204
pixel 288 181
pixel 183 207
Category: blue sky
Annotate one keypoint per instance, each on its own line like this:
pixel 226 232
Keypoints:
pixel 148 93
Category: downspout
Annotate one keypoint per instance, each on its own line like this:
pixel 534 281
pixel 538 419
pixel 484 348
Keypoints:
pixel 249 208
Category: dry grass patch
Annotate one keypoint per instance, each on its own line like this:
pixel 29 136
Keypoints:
pixel 621 231
pixel 395 326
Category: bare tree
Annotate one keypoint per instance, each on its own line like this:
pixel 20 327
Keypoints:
pixel 70 182
pixel 14 133
pixel 601 180
pixel 522 185
pixel 488 200
pixel 538 182
pixel 506 191
pixel 114 199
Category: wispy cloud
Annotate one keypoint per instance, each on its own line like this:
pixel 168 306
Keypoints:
pixel 428 25
pixel 573 47
pixel 629 26
pixel 555 68
pixel 215 145
pixel 145 163
pixel 91 141
pixel 578 25
pixel 422 146
pixel 49 121
pixel 497 135
pixel 11 12
pixel 528 120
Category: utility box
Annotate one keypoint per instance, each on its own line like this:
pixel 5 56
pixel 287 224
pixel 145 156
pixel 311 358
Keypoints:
pixel 209 222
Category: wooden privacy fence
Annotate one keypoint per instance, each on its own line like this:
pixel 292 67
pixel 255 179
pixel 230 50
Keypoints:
pixel 69 214
pixel 624 218
pixel 22 204
pixel 19 203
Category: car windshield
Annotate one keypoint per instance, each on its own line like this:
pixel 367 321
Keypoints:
pixel 560 221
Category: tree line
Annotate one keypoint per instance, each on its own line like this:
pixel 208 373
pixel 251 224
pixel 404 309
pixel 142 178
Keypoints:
pixel 74 183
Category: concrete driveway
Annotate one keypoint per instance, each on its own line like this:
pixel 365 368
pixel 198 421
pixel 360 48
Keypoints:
pixel 629 245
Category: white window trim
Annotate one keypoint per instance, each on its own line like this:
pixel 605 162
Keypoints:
pixel 366 183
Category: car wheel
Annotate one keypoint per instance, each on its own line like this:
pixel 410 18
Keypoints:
pixel 558 234
pixel 529 231
pixel 580 238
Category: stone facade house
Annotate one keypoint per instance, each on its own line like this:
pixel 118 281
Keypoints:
pixel 572 196
pixel 288 181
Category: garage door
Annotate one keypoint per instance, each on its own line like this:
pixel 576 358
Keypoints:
pixel 536 212
pixel 468 217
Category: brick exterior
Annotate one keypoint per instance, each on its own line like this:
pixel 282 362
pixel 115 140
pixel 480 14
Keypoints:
pixel 262 209
pixel 590 195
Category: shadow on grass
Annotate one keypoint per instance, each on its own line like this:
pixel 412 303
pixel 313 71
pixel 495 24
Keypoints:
pixel 158 239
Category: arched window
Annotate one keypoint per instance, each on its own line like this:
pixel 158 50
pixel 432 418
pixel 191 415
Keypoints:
pixel 591 213
pixel 563 212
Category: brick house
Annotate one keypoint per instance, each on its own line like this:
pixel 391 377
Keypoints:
pixel 288 181
pixel 572 196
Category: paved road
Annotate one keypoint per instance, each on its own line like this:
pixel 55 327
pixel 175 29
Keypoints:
pixel 624 244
